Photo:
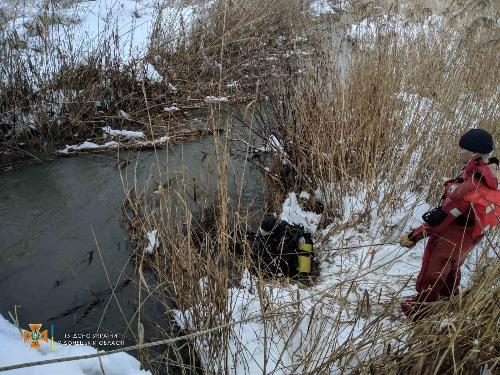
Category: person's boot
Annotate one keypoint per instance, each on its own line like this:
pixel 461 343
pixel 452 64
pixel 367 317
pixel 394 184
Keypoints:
pixel 446 295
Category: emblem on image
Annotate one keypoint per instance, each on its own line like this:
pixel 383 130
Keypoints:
pixel 35 336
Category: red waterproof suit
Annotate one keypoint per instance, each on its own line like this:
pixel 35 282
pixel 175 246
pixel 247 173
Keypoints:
pixel 451 241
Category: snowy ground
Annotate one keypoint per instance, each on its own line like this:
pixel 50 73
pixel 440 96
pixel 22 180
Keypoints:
pixel 363 270
pixel 89 22
pixel 15 351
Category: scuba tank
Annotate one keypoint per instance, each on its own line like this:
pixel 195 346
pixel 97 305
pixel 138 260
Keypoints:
pixel 283 248
pixel 304 254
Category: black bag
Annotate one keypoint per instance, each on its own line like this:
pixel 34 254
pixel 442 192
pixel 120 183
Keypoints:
pixel 276 253
pixel 435 216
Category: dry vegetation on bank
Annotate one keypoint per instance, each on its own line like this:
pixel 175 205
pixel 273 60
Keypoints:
pixel 386 126
pixel 55 89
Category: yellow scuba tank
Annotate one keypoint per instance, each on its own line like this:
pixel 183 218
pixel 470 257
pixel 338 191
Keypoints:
pixel 305 253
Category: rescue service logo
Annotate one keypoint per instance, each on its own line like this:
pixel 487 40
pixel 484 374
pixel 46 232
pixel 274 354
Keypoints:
pixel 35 336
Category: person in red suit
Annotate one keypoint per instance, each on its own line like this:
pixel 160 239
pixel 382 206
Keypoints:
pixel 451 228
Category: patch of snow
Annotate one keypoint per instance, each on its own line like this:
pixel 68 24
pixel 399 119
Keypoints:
pixel 122 133
pixel 15 351
pixel 271 58
pixel 304 195
pixel 232 85
pixel 485 370
pixel 409 214
pixel 288 54
pixel 280 39
pixel 123 114
pixel 163 139
pixel 246 340
pixel 419 111
pixel 171 88
pixel 158 141
pixel 320 7
pixel 151 73
pixel 18 122
pixel 216 99
pixel 294 214
pixel 275 146
pixel 88 146
pixel 298 39
pixel 370 27
pixel 444 324
pixel 171 108
pixel 353 204
pixel 152 241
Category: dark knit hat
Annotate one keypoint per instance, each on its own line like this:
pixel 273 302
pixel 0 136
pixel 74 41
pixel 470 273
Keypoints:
pixel 477 140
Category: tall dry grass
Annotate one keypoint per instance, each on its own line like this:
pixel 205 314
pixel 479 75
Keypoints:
pixel 460 337
pixel 389 120
pixel 197 240
pixel 55 89
pixel 229 44
pixel 388 123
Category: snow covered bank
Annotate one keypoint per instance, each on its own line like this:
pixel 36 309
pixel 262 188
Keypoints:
pixel 44 41
pixel 89 23
pixel 351 314
pixel 87 146
pixel 15 351
pixel 122 133
pixel 130 139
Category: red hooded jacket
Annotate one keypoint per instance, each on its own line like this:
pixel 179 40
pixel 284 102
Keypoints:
pixel 456 201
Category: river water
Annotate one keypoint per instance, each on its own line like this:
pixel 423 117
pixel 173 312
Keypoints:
pixel 63 246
